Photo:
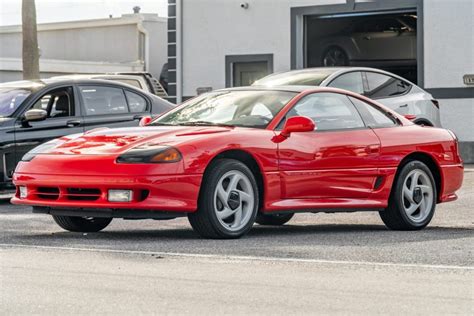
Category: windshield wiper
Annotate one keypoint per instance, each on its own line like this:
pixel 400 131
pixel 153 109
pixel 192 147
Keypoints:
pixel 204 123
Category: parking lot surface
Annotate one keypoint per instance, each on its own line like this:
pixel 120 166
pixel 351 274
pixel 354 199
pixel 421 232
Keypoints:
pixel 318 263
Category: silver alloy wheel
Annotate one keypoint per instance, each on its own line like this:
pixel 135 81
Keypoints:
pixel 334 57
pixel 234 200
pixel 418 195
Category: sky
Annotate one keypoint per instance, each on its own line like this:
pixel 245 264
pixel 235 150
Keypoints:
pixel 71 10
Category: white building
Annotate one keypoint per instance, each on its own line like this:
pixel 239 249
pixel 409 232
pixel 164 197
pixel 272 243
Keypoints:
pixel 215 43
pixel 133 42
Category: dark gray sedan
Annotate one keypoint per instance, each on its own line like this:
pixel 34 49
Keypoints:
pixel 33 112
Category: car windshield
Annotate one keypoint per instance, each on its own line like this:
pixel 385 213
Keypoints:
pixel 234 108
pixel 298 78
pixel 11 98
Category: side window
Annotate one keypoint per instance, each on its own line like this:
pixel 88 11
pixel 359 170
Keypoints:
pixel 57 103
pixel 351 81
pixel 103 100
pixel 330 111
pixel 373 116
pixel 382 86
pixel 136 102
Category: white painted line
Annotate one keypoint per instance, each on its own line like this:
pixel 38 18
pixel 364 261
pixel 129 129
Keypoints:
pixel 245 258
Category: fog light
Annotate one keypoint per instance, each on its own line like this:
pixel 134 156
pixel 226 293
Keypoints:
pixel 120 195
pixel 23 192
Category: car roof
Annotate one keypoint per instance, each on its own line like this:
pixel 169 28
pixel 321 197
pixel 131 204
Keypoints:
pixel 41 83
pixel 335 71
pixel 295 89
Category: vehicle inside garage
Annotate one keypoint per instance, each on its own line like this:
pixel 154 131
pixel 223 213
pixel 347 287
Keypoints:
pixel 387 41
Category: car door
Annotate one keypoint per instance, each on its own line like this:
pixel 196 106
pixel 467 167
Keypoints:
pixel 108 106
pixel 64 118
pixel 390 91
pixel 384 39
pixel 337 160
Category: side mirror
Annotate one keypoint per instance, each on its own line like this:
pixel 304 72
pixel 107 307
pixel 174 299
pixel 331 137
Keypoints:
pixel 295 124
pixel 144 121
pixel 35 115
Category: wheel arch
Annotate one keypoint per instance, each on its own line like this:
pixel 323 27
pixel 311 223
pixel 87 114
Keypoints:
pixel 430 162
pixel 247 159
pixel 423 121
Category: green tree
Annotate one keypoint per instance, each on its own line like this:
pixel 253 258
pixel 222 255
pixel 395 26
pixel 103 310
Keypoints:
pixel 30 40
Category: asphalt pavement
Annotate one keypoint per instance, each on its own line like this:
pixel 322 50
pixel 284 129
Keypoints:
pixel 318 263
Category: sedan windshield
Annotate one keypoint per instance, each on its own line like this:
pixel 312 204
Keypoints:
pixel 234 108
pixel 11 99
pixel 295 78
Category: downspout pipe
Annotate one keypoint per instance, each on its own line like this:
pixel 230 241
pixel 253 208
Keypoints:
pixel 143 30
pixel 179 51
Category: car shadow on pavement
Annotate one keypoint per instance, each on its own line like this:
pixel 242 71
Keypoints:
pixel 327 234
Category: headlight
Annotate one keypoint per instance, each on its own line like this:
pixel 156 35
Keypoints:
pixel 150 154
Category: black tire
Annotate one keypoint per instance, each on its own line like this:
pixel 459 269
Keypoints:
pixel 82 224
pixel 204 221
pixel 334 56
pixel 394 216
pixel 274 219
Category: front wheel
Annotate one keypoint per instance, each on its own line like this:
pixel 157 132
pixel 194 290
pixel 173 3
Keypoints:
pixel 82 224
pixel 413 200
pixel 228 201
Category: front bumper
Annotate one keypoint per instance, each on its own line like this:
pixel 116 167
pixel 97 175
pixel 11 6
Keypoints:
pixel 166 193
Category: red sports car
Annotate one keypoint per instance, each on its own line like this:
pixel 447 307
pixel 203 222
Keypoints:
pixel 232 157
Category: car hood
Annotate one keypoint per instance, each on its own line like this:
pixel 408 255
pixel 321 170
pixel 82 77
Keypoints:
pixel 115 141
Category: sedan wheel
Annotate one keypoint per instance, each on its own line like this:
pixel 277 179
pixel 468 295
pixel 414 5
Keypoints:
pixel 413 199
pixel 228 201
pixel 334 56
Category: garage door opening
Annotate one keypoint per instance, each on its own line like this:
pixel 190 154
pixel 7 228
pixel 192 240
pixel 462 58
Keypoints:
pixel 384 40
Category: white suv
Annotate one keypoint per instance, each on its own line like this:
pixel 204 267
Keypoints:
pixel 389 89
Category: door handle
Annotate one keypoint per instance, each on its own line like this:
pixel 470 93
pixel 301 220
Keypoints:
pixel 73 123
pixel 372 149
pixel 404 105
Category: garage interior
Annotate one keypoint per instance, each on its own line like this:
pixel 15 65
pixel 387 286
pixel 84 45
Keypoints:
pixel 385 40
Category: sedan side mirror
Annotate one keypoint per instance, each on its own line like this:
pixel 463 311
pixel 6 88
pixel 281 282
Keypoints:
pixel 295 124
pixel 144 121
pixel 35 115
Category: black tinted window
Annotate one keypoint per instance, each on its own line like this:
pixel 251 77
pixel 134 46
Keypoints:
pixel 57 103
pixel 378 25
pixel 136 102
pixel 103 100
pixel 351 81
pixel 373 116
pixel 382 86
pixel 330 111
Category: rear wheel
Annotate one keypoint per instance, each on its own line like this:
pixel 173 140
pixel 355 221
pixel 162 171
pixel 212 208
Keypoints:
pixel 228 201
pixel 82 224
pixel 274 219
pixel 334 56
pixel 413 200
